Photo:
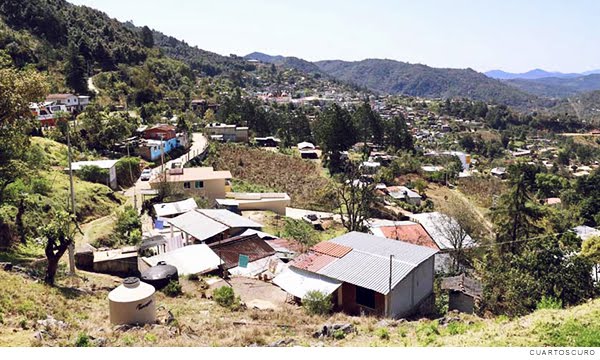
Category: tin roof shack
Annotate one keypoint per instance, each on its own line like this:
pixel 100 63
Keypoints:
pixel 464 293
pixel 366 274
pixel 236 202
pixel 210 225
pixel 193 259
pixel 248 256
pixel 172 209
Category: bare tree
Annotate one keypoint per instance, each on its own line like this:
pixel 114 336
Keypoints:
pixel 59 234
pixel 355 197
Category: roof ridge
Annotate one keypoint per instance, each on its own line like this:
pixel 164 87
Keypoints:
pixel 385 257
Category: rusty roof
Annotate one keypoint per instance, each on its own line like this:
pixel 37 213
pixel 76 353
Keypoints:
pixel 411 233
pixel 312 261
pixel 331 249
pixel 229 250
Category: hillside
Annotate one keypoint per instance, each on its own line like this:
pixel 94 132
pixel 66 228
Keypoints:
pixel 557 87
pixel 81 305
pixel 286 62
pixel 529 75
pixel 584 106
pixel 394 77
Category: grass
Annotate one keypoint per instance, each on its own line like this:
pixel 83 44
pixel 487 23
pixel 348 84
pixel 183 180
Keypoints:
pixel 82 303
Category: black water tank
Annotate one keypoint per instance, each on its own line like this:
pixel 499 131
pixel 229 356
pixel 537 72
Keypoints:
pixel 160 275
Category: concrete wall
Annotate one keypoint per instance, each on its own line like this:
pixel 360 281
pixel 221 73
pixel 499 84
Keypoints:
pixel 276 205
pixel 412 290
pixel 213 189
pixel 461 302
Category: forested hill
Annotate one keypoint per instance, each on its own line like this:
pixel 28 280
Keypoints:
pixel 286 62
pixel 395 77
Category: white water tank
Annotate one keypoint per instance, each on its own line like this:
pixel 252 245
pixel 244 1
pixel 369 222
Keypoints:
pixel 132 303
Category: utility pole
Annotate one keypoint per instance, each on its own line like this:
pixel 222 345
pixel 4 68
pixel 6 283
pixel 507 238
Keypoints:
pixel 72 244
pixel 390 283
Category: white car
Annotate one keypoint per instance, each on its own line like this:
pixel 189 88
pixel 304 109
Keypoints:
pixel 146 174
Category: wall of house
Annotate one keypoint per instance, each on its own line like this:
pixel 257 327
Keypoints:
pixel 461 302
pixel 349 305
pixel 241 135
pixel 112 177
pixel 213 189
pixel 412 290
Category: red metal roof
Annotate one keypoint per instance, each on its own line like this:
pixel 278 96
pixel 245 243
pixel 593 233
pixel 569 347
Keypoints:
pixel 411 233
pixel 312 261
pixel 289 244
pixel 331 249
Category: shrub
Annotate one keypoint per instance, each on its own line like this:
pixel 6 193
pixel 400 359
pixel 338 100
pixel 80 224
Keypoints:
pixel 128 171
pixel 193 277
pixel 301 231
pixel 317 303
pixel 383 333
pixel 225 297
pixel 549 302
pixel 173 289
pixel 83 340
pixel 457 327
pixel 94 174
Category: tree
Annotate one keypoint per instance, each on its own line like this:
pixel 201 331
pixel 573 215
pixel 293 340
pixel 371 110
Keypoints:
pixel 128 227
pixel 59 235
pixel 516 216
pixel 147 37
pixel 397 134
pixel 75 70
pixel 300 231
pixel 368 124
pixel 335 132
pixel 591 249
pixel 355 198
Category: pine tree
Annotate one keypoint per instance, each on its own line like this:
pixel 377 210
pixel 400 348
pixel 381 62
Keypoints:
pixel 75 70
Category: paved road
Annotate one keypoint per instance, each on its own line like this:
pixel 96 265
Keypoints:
pixel 198 146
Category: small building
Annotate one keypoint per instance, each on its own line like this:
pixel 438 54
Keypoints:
pixel 307 150
pixel 552 201
pixel 247 255
pixel 237 202
pixel 365 274
pixel 192 259
pixel 160 132
pixel 210 225
pixel 499 172
pixel 72 103
pixel 226 133
pixel 370 167
pixel 110 165
pixel 465 159
pixel 48 113
pixel 119 262
pixel 268 141
pixel 172 209
pixel 403 193
pixel 464 293
pixel 198 181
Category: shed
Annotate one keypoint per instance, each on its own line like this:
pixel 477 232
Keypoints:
pixel 175 208
pixel 464 293
pixel 193 259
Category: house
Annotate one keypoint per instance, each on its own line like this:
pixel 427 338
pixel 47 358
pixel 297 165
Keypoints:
pixel 236 202
pixel 160 132
pixel 365 274
pixel 268 141
pixel 370 167
pixel 307 150
pixel 247 255
pixel 465 159
pixel 404 194
pixel 72 103
pixel 159 140
pixel 47 113
pixel 110 165
pixel 226 133
pixel 464 293
pixel 446 232
pixel 499 172
pixel 210 225
pixel 198 181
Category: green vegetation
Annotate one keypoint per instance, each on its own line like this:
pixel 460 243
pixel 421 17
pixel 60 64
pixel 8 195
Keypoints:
pixel 317 303
pixel 173 289
pixel 225 297
pixel 300 231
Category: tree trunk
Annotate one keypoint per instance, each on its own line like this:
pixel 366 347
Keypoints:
pixel 51 270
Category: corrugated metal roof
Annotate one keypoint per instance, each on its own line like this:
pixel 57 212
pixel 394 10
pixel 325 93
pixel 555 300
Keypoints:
pixel 312 261
pixel 298 282
pixel 367 270
pixel 371 244
pixel 252 246
pixel 197 225
pixel 229 218
pixel 174 208
pixel 193 259
pixel 331 249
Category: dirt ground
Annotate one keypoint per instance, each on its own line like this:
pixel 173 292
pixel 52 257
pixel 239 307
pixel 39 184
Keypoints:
pixel 256 293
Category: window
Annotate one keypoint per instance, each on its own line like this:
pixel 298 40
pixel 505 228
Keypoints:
pixel 365 297
pixel 199 184
pixel 186 185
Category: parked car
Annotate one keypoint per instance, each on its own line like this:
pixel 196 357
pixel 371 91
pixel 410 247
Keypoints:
pixel 146 175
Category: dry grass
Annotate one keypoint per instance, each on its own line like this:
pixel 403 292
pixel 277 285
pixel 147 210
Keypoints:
pixel 301 179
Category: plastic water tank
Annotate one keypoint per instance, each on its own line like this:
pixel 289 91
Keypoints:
pixel 160 275
pixel 132 303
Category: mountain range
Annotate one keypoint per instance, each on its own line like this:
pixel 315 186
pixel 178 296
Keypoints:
pixel 535 74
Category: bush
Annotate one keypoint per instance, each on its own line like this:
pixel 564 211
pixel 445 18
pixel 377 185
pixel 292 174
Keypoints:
pixel 128 227
pixel 94 174
pixel 128 171
pixel 225 297
pixel 317 303
pixel 193 277
pixel 173 289
pixel 383 333
pixel 549 302
pixel 301 231
pixel 83 340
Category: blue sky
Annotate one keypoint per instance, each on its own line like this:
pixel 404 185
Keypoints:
pixel 512 35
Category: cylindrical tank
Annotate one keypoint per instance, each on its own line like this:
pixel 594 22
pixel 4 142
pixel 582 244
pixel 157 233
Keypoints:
pixel 132 303
pixel 160 275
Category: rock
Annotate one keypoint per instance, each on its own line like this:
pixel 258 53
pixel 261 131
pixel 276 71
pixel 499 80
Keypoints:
pixel 38 336
pixel 100 342
pixel 448 319
pixel 6 266
pixel 388 323
pixel 328 330
pixel 282 342
pixel 50 323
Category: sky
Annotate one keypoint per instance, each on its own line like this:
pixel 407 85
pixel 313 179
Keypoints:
pixel 512 35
